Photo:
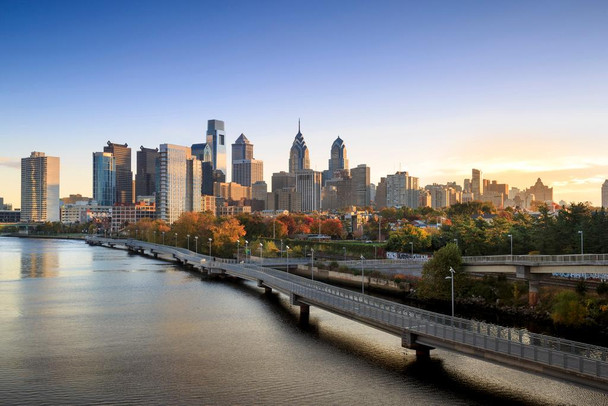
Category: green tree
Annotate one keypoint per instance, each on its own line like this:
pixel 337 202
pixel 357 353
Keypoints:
pixel 568 310
pixel 433 284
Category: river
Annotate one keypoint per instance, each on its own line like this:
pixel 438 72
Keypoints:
pixel 92 325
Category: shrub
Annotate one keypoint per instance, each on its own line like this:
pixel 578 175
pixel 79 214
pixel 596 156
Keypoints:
pixel 602 288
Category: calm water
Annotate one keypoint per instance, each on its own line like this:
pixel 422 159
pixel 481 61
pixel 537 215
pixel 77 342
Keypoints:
pixel 87 325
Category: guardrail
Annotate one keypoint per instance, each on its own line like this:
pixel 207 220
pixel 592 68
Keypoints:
pixel 574 259
pixel 567 355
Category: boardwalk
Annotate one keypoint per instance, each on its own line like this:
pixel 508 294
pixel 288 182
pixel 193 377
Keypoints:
pixel 419 329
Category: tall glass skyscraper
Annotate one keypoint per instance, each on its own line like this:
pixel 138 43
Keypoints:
pixel 104 178
pixel 298 154
pixel 145 177
pixel 216 138
pixel 39 188
pixel 124 174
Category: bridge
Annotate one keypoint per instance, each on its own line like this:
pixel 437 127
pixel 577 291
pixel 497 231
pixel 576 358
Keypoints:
pixel 418 329
pixel 534 268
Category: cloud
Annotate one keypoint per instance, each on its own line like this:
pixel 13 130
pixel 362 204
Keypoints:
pixel 13 163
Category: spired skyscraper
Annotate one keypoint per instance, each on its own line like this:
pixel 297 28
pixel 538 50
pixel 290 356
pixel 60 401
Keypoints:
pixel 216 139
pixel 124 175
pixel 245 170
pixel 104 178
pixel 39 188
pixel 338 160
pixel 298 154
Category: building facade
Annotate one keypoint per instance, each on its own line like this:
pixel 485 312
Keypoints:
pixel 39 188
pixel 124 174
pixel 402 190
pixel 605 194
pixel 298 154
pixel 146 172
pixel 361 185
pixel 216 139
pixel 104 178
pixel 308 184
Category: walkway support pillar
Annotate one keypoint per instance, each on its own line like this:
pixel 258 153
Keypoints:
pixel 304 308
pixel 408 340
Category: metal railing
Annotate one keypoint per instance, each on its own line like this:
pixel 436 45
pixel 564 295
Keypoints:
pixel 574 259
pixel 395 318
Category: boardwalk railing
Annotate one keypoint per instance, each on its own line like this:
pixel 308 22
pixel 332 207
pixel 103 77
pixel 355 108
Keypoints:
pixel 575 259
pixel 437 329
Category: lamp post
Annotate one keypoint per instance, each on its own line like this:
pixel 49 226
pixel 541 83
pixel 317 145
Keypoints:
pixel 210 240
pixel 312 263
pixel 196 243
pixel 581 233
pixel 238 249
pixel 511 238
pixel 281 248
pixel 176 239
pixel 137 231
pixel 154 236
pixel 344 249
pixel 456 241
pixel 362 276
pixel 287 253
pixel 451 277
pixel 274 220
pixel 261 255
pixel 246 249
pixel 188 238
pixel 163 233
pixel 379 222
pixel 412 248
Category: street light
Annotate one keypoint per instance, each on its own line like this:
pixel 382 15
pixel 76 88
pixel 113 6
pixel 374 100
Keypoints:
pixel 246 249
pixel 312 263
pixel 210 239
pixel 274 220
pixel 456 241
pixel 281 248
pixel 581 233
pixel 163 237
pixel 344 249
pixel 511 237
pixel 412 247
pixel 136 231
pixel 287 253
pixel 154 236
pixel 362 276
pixel 238 249
pixel 452 271
pixel 188 237
pixel 261 255
pixel 379 222
pixel 196 243
pixel 176 239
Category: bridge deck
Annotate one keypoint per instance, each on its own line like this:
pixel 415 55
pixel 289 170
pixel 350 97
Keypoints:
pixel 579 362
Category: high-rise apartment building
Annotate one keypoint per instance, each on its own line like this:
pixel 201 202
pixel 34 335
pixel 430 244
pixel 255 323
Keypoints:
pixel 178 183
pixel 402 190
pixel 146 171
pixel 361 185
pixel 245 170
pixel 308 184
pixel 605 194
pixel 104 178
pixel 39 188
pixel 477 184
pixel 298 154
pixel 124 175
pixel 216 139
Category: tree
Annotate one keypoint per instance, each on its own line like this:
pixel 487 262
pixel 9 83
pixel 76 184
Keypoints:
pixel 568 310
pixel 399 240
pixel 433 284
pixel 332 228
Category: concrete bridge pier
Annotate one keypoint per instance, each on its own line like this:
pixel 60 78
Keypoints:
pixel 523 272
pixel 267 290
pixel 304 308
pixel 408 340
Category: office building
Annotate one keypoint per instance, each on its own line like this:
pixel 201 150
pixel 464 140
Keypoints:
pixel 298 154
pixel 39 188
pixel 216 139
pixel 402 190
pixel 282 180
pixel 477 184
pixel 308 184
pixel 380 200
pixel 338 159
pixel 245 170
pixel 361 185
pixel 541 192
pixel 104 178
pixel 178 182
pixel 124 175
pixel 146 171
pixel 605 194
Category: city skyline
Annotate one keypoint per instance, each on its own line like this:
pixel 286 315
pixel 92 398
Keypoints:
pixel 516 90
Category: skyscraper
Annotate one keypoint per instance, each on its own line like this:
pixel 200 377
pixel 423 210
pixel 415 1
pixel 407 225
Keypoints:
pixel 402 190
pixel 477 184
pixel 245 170
pixel 361 185
pixel 124 175
pixel 605 194
pixel 298 154
pixel 308 184
pixel 146 167
pixel 216 139
pixel 178 182
pixel 39 188
pixel 204 153
pixel 104 178
pixel 338 159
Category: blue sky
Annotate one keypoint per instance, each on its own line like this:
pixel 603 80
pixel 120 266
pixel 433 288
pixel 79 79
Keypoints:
pixel 517 89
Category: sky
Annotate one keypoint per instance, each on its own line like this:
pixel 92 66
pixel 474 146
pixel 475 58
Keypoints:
pixel 518 89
